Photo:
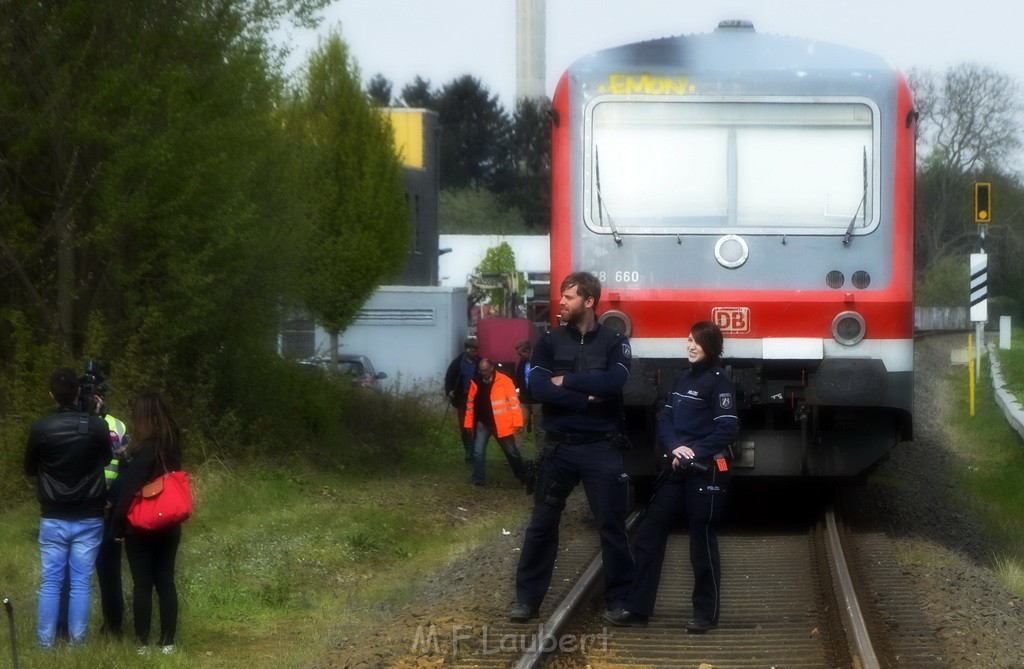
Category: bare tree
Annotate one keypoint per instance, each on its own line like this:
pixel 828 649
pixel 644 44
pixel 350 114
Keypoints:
pixel 969 130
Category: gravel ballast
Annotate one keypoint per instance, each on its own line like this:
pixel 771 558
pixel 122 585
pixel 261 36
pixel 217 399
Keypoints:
pixel 940 545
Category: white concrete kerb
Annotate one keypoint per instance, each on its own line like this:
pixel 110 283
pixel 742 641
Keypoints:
pixel 1006 400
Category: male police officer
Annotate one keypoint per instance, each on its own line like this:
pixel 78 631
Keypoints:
pixel 577 374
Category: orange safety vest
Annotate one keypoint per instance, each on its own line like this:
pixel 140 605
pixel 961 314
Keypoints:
pixel 508 416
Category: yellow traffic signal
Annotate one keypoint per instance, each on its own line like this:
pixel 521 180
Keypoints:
pixel 982 203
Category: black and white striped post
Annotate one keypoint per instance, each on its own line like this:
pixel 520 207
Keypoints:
pixel 979 304
pixel 979 287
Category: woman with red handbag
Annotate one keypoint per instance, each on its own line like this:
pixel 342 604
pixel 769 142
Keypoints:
pixel 155 449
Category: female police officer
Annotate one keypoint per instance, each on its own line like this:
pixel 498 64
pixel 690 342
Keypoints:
pixel 696 424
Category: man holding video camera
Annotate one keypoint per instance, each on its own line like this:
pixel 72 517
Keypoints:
pixel 67 452
pixel 92 399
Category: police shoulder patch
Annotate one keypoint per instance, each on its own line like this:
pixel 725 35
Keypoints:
pixel 725 400
pixel 625 349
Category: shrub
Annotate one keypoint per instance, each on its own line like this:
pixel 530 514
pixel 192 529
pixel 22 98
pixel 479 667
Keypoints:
pixel 944 284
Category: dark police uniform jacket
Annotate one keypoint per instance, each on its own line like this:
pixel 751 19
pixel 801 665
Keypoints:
pixel 592 364
pixel 700 412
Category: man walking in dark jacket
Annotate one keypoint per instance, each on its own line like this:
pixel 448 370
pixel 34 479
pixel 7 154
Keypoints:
pixel 456 388
pixel 522 380
pixel 67 452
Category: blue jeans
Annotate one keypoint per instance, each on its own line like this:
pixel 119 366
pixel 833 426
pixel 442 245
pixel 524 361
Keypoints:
pixel 508 447
pixel 66 545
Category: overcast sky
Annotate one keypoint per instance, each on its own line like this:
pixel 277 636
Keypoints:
pixel 442 39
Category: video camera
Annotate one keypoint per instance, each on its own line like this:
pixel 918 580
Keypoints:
pixel 93 385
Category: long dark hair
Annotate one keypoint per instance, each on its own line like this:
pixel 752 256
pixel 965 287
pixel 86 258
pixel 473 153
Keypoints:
pixel 153 423
pixel 709 337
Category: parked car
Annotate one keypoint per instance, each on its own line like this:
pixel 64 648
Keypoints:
pixel 357 368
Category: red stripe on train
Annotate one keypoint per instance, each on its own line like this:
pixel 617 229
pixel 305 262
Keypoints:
pixel 745 314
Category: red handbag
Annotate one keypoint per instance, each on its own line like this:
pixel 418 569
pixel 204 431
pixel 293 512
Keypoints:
pixel 164 502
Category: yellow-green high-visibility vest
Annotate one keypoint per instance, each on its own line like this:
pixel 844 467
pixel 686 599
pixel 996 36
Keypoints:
pixel 117 431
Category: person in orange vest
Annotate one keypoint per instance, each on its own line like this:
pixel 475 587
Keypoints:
pixel 492 408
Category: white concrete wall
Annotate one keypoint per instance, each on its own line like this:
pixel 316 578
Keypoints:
pixel 409 332
pixel 412 332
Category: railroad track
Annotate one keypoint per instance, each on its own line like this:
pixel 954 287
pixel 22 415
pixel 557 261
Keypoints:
pixel 778 607
pixel 789 600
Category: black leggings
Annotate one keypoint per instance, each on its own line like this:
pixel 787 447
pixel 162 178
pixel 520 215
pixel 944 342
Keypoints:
pixel 151 558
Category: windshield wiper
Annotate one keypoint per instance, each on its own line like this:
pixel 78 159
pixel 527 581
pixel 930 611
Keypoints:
pixel 848 237
pixel 600 200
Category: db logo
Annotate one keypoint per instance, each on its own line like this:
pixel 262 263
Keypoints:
pixel 731 319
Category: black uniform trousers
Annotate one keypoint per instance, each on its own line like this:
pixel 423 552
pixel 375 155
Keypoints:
pixel 108 575
pixel 598 465
pixel 701 496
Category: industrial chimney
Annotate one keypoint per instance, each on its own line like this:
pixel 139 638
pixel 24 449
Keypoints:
pixel 530 48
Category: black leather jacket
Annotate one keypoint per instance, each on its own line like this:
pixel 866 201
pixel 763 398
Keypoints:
pixel 67 452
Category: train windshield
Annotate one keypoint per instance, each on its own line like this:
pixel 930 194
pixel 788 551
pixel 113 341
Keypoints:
pixel 695 167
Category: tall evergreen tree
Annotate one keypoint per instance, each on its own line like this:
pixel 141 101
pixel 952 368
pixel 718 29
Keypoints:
pixel 379 89
pixel 419 95
pixel 529 186
pixel 476 139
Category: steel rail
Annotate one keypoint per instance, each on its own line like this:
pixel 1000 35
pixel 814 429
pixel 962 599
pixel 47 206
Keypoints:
pixel 853 619
pixel 568 607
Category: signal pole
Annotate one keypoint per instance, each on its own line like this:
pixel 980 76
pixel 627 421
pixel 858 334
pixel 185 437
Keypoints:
pixel 979 270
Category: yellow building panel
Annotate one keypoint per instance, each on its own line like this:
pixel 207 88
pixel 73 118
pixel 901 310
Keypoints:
pixel 408 127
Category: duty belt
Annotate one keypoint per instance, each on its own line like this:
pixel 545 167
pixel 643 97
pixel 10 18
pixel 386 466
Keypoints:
pixel 580 437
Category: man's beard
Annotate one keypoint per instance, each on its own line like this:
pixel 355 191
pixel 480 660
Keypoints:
pixel 570 317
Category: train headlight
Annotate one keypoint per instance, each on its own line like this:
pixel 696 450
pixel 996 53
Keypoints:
pixel 617 321
pixel 731 251
pixel 848 328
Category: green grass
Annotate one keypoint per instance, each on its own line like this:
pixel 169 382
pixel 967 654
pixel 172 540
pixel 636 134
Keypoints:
pixel 1011 363
pixel 991 470
pixel 280 564
pixel 917 552
pixel 1010 572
